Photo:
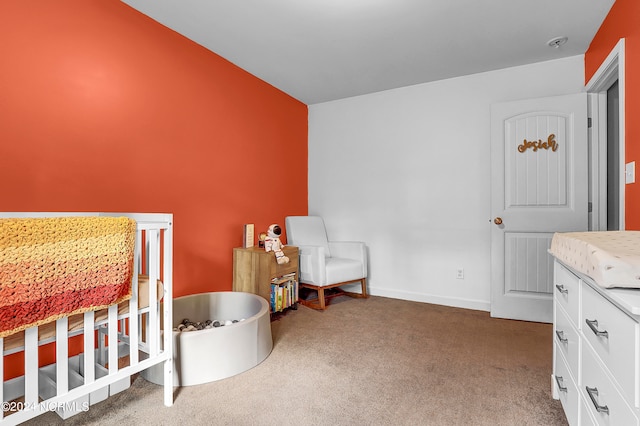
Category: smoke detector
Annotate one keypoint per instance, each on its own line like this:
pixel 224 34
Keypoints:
pixel 557 42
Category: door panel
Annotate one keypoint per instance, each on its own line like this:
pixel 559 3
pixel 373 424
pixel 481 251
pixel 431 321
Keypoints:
pixel 538 179
pixel 522 249
pixel 539 186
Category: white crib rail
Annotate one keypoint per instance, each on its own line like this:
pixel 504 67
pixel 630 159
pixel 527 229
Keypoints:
pixel 69 396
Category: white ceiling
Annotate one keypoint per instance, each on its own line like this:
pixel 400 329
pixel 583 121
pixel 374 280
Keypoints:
pixel 321 50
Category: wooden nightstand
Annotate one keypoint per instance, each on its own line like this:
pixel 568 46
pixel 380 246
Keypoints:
pixel 254 269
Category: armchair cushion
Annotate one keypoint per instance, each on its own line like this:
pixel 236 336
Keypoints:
pixel 340 270
pixel 321 271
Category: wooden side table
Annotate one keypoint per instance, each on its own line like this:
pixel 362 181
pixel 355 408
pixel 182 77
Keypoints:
pixel 254 268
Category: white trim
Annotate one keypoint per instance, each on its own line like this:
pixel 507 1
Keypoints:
pixel 611 69
pixel 597 110
pixel 456 302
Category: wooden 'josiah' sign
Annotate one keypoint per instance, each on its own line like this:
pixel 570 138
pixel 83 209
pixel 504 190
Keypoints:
pixel 550 143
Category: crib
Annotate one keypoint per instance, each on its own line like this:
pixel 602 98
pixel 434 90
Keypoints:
pixel 117 342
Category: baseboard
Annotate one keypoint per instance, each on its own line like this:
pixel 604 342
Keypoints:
pixel 456 302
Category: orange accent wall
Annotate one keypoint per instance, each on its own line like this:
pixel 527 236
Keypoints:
pixel 104 109
pixel 622 22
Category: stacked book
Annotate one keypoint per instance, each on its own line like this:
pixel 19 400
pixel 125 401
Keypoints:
pixel 284 292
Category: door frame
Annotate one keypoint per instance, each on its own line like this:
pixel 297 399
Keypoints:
pixel 611 69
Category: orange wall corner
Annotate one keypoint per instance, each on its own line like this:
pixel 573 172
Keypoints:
pixel 622 22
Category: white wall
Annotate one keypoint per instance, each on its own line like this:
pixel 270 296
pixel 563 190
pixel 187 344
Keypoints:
pixel 408 172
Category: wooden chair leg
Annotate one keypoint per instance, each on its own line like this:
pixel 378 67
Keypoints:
pixel 364 288
pixel 321 298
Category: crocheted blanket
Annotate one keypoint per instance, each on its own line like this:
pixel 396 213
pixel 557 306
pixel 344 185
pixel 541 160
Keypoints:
pixel 56 267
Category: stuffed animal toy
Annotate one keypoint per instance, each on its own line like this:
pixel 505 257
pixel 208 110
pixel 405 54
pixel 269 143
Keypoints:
pixel 273 243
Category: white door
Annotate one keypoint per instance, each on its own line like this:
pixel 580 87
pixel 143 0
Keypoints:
pixel 539 186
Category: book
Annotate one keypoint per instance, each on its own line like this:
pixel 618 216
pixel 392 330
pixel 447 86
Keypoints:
pixel 248 238
pixel 284 292
pixel 274 291
pixel 283 279
pixel 279 300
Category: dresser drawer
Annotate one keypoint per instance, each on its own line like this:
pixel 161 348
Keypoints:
pixel 612 334
pixel 585 414
pixel 566 388
pixel 567 340
pixel 566 289
pixel 597 390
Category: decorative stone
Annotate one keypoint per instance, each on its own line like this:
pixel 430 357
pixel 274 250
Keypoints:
pixel 188 325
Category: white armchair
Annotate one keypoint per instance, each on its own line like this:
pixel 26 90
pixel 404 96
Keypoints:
pixel 325 264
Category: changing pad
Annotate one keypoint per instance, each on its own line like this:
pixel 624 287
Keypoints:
pixel 610 258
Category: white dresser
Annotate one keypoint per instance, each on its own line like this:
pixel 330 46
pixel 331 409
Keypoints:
pixel 596 359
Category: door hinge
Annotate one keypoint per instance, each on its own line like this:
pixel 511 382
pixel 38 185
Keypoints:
pixel 590 207
pixel 589 122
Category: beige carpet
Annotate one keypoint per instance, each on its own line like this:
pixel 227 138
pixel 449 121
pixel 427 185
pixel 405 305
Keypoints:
pixel 375 361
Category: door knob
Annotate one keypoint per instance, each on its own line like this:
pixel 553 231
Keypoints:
pixel 497 221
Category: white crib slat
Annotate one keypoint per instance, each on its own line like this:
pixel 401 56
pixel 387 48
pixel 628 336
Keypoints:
pixel 31 366
pixel 62 355
pixel 168 315
pixel 113 339
pixel 153 237
pixel 89 348
pixel 101 346
pixel 133 305
pixel 133 326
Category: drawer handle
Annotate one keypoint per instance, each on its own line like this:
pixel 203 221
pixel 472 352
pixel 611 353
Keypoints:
pixel 561 289
pixel 593 325
pixel 560 381
pixel 561 337
pixel 599 408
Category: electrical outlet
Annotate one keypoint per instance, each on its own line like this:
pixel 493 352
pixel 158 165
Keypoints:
pixel 460 273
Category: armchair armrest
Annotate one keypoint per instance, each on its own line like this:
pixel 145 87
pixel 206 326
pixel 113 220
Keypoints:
pixel 312 267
